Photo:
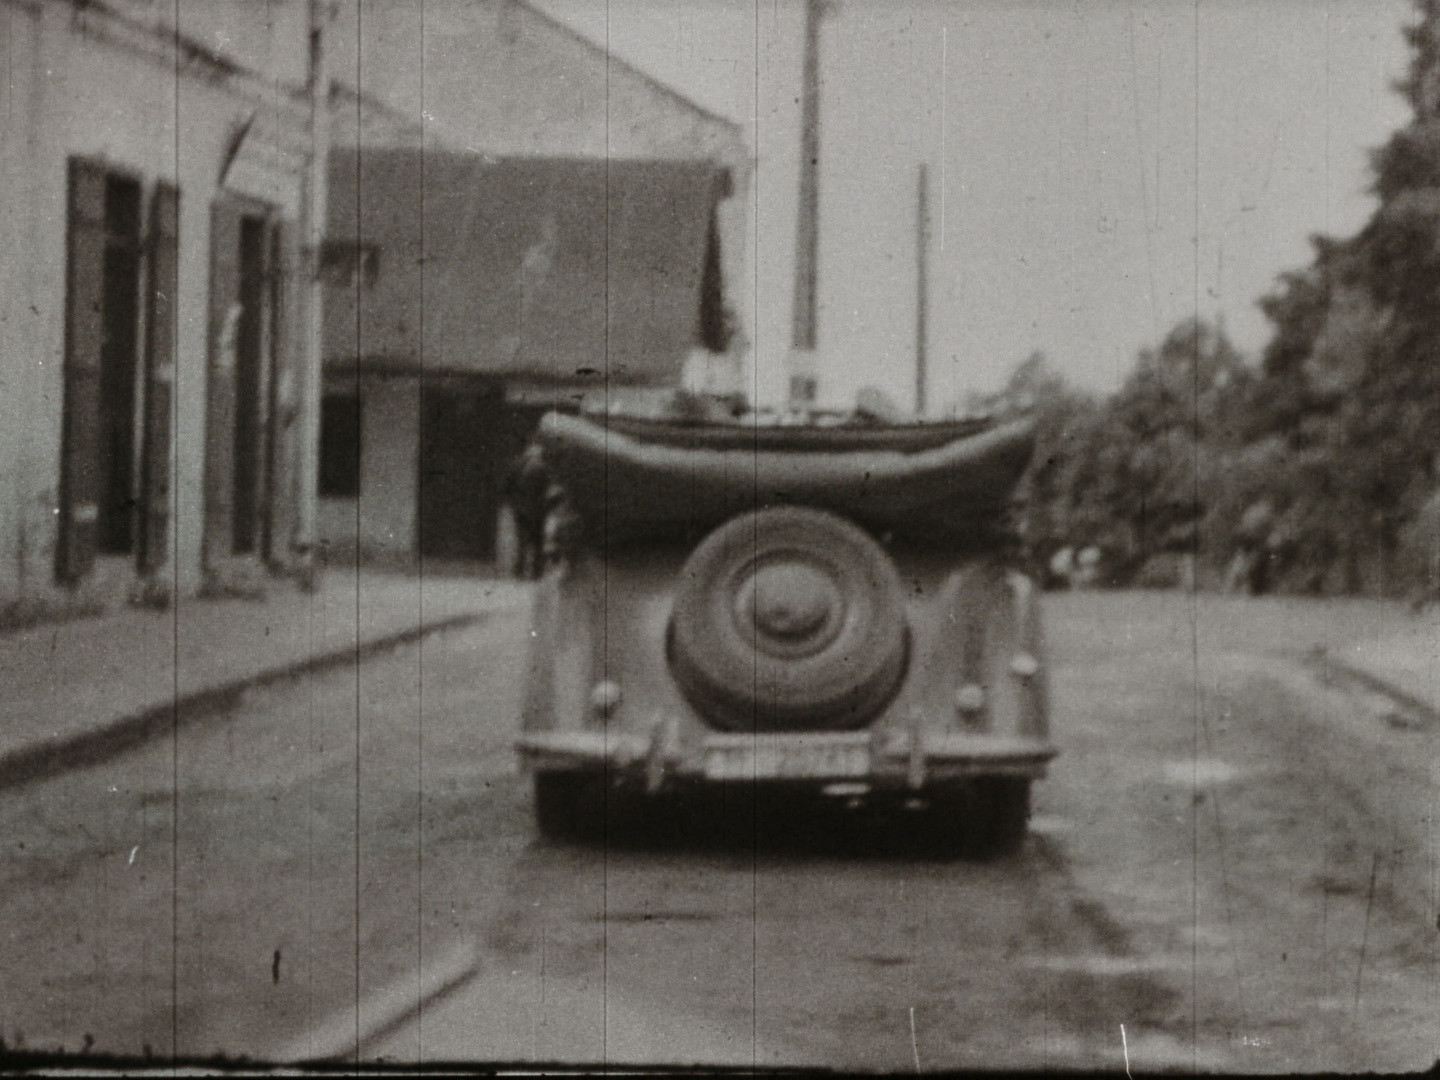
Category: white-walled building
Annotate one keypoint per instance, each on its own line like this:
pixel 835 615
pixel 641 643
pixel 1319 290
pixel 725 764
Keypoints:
pixel 155 165
pixel 153 176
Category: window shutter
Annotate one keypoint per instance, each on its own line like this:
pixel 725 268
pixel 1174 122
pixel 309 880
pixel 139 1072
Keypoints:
pixel 80 482
pixel 159 375
pixel 220 379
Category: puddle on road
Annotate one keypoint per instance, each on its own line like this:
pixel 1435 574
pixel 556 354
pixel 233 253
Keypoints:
pixel 655 916
pixel 1050 825
pixel 1102 964
pixel 1200 772
pixel 883 961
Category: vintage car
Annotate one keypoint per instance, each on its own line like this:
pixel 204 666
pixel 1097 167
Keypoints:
pixel 786 607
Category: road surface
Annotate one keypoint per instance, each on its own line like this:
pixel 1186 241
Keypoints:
pixel 1232 867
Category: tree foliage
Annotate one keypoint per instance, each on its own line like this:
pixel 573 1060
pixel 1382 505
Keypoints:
pixel 1354 366
pixel 1131 474
pixel 1333 441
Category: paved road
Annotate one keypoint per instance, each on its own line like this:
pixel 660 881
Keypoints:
pixel 1230 860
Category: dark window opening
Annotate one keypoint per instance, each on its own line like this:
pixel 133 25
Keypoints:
pixel 122 206
pixel 460 473
pixel 119 356
pixel 273 448
pixel 340 446
pixel 115 430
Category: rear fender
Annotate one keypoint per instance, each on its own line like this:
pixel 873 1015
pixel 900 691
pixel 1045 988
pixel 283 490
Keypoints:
pixel 564 632
pixel 980 655
pixel 604 621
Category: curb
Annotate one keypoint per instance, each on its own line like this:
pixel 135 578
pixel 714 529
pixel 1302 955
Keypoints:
pixel 345 1034
pixel 1409 710
pixel 52 757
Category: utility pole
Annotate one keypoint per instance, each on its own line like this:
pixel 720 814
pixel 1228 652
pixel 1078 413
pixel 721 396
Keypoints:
pixel 802 373
pixel 312 236
pixel 922 289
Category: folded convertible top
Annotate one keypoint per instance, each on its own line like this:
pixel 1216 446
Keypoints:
pixel 928 481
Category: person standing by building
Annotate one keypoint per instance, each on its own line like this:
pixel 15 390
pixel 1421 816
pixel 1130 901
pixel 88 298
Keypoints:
pixel 526 483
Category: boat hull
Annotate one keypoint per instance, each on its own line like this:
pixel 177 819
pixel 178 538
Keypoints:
pixel 634 479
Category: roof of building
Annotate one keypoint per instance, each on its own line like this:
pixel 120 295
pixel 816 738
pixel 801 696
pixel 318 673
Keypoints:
pixel 562 269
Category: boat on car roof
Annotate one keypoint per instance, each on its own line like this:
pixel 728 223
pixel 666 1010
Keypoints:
pixel 927 480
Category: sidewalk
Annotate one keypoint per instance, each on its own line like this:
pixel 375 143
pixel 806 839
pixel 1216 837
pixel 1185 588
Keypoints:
pixel 1401 661
pixel 75 691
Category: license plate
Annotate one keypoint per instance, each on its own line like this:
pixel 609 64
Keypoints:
pixel 771 759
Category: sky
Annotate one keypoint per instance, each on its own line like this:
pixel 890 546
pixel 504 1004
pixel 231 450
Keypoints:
pixel 1098 169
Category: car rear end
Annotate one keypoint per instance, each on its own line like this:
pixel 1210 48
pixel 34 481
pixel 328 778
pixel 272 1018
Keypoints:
pixel 790 648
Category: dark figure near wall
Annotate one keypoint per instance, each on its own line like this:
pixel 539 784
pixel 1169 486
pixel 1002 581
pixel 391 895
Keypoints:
pixel 526 483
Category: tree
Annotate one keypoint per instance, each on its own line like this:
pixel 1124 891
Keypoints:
pixel 1351 385
pixel 1132 474
pixel 1174 414
pixel 1063 418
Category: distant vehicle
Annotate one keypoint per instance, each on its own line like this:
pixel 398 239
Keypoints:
pixel 822 607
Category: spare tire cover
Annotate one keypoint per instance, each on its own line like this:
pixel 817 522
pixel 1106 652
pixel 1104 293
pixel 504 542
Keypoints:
pixel 788 619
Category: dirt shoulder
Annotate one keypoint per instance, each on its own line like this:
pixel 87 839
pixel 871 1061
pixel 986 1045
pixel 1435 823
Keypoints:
pixel 1268 839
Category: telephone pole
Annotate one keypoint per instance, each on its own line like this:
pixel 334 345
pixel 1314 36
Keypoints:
pixel 312 230
pixel 922 289
pixel 802 367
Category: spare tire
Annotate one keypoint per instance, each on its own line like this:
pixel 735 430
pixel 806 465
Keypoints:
pixel 788 619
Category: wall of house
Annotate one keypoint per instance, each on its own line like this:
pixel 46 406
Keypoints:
pixel 25 505
pixel 85 84
pixel 381 522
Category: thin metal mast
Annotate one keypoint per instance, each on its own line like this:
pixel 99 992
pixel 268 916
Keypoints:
pixel 808 225
pixel 922 303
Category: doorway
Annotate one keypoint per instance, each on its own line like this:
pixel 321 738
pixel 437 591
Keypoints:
pixel 244 453
pixel 119 355
pixel 459 473
pixel 248 471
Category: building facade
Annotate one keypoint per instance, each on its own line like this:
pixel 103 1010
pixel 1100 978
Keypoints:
pixel 566 226
pixel 150 348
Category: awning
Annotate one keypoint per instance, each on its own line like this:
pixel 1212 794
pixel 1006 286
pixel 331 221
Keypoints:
pixel 558 269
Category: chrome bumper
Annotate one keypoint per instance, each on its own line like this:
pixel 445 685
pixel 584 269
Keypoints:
pixel 891 757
